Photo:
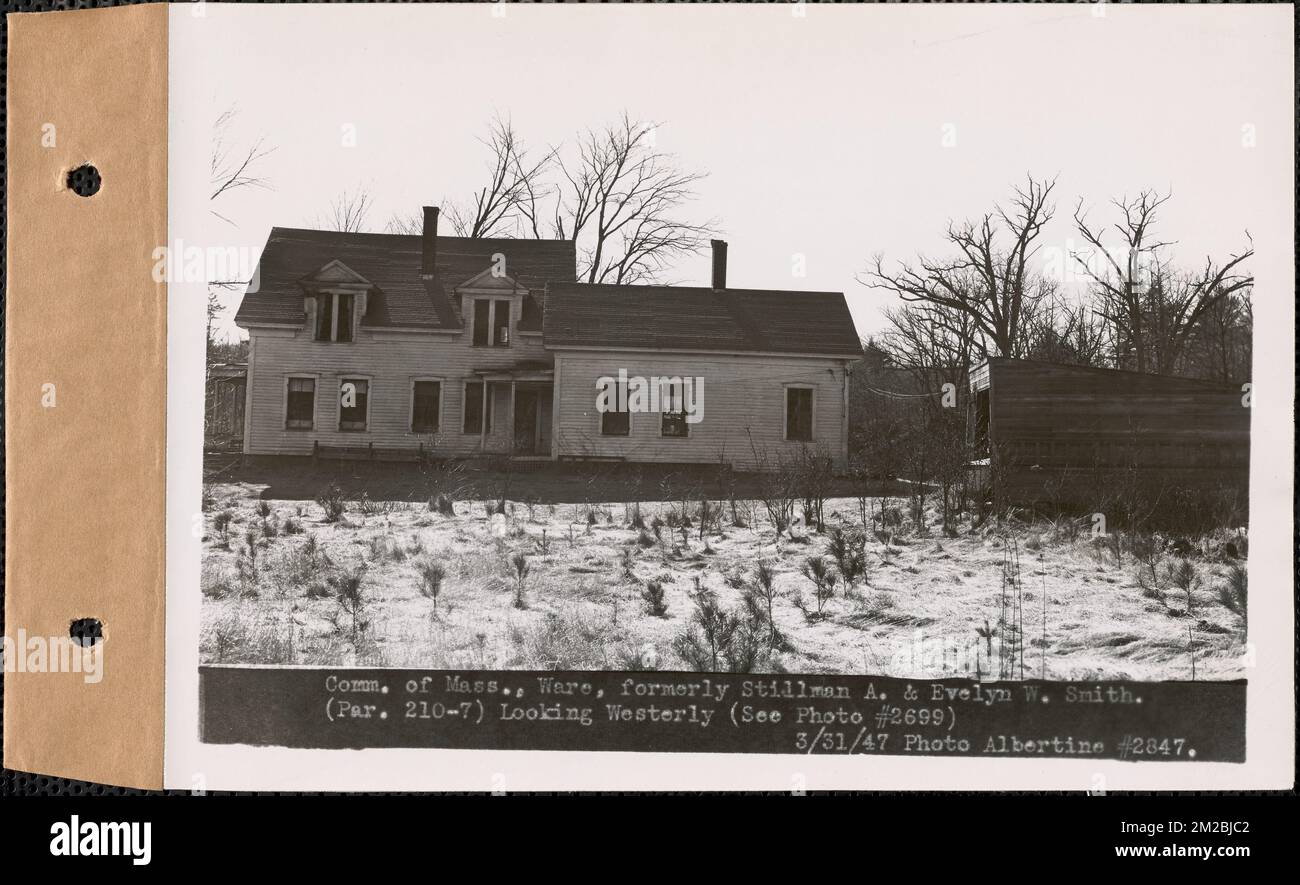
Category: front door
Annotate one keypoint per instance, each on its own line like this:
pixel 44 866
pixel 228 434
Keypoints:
pixel 532 420
pixel 525 421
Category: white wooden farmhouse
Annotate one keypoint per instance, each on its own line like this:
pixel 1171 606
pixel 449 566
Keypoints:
pixel 382 345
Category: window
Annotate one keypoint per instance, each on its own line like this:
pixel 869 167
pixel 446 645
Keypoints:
pixel 324 317
pixel 798 413
pixel 482 310
pixel 500 323
pixel 300 404
pixel 334 316
pixel 474 412
pixel 426 406
pixel 672 421
pixel 617 423
pixel 354 402
pixel 344 329
pixel 491 322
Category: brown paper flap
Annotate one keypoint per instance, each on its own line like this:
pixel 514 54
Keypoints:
pixel 85 474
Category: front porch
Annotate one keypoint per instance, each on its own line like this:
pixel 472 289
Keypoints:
pixel 519 402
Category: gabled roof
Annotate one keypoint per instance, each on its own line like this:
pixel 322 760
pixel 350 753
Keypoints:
pixel 699 319
pixel 337 272
pixel 489 280
pixel 401 298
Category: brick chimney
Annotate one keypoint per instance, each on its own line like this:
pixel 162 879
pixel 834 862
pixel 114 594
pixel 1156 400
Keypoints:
pixel 429 241
pixel 719 264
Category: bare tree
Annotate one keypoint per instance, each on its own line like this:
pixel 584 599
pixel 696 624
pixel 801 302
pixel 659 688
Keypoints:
pixel 508 204
pixel 1062 331
pixel 935 343
pixel 1220 346
pixel 348 212
pixel 405 223
pixel 233 167
pixel 616 195
pixel 989 280
pixel 620 198
pixel 1153 308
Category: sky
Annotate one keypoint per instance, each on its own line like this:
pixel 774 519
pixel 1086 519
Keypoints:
pixel 828 137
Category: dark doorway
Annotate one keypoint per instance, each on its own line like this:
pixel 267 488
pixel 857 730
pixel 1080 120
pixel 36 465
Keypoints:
pixel 532 420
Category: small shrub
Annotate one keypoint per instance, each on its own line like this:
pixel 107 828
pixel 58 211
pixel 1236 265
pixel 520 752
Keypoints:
pixel 519 563
pixel 1182 574
pixel 627 562
pixel 644 540
pixel 263 509
pixel 655 601
pixel 764 594
pixel 850 555
pixel 710 518
pixel 292 526
pixel 717 640
pixel 246 564
pixel 431 574
pixel 816 570
pixel 332 502
pixel 706 640
pixel 1232 593
pixel 347 590
pixel 221 522
pixel 443 505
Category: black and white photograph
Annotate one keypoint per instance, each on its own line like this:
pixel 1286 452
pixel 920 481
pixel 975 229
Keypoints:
pixel 918 349
pixel 835 351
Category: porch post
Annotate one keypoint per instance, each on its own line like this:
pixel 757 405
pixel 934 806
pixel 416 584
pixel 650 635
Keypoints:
pixel 510 441
pixel 483 425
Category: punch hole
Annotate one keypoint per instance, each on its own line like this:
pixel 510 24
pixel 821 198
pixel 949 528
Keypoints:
pixel 84 181
pixel 86 632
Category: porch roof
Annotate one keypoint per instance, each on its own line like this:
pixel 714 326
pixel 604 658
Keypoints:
pixel 524 370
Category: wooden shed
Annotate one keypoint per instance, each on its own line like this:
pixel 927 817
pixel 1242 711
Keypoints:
pixel 223 423
pixel 1070 435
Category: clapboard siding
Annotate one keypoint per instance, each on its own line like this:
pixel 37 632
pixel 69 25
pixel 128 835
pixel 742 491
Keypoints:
pixel 390 361
pixel 744 399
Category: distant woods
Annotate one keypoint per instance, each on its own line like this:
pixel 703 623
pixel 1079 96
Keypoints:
pixel 1129 303
pixel 625 202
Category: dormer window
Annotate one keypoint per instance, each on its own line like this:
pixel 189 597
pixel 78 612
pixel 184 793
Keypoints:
pixel 334 316
pixel 335 299
pixel 491 322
